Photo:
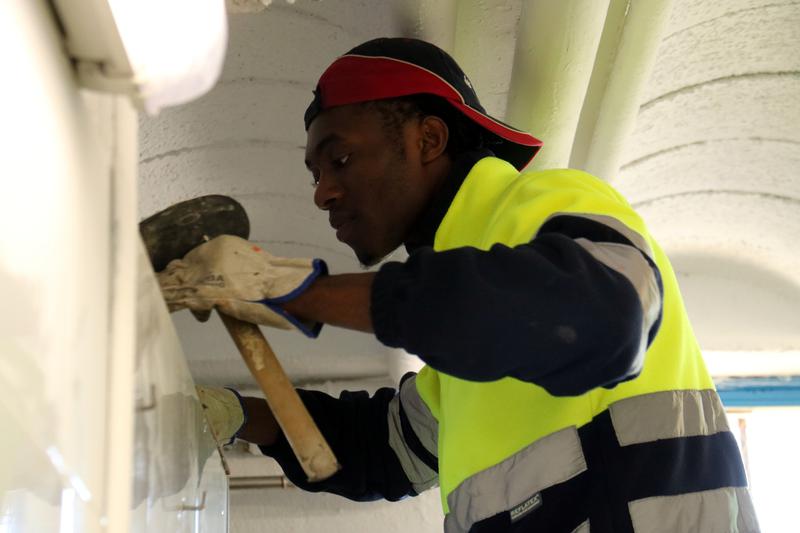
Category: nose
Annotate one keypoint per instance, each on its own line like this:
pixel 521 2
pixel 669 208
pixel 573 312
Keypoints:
pixel 327 193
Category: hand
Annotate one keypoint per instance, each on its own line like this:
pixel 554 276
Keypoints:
pixel 224 412
pixel 241 280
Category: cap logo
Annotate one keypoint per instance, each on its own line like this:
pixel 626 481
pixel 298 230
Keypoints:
pixel 466 80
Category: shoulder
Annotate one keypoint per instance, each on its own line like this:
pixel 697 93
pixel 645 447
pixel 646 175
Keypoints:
pixel 568 179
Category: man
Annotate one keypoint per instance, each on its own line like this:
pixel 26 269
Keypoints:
pixel 564 390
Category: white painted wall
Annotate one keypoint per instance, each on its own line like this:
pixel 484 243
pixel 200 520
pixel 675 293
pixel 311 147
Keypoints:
pixel 178 482
pixel 66 276
pixel 293 511
pixel 712 166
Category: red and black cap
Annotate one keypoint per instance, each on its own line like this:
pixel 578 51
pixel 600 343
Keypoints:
pixel 394 67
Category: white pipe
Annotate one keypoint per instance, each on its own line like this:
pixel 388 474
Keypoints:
pixel 603 65
pixel 432 20
pixel 259 482
pixel 555 53
pixel 484 51
pixel 616 107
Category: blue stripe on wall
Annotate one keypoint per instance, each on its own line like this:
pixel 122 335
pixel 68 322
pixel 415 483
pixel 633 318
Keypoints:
pixel 759 392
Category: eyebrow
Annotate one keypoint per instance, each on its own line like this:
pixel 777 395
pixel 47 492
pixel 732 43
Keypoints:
pixel 328 139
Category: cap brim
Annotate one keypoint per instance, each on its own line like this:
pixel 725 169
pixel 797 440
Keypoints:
pixel 515 146
pixel 355 78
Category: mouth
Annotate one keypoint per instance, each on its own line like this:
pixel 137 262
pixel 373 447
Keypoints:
pixel 344 224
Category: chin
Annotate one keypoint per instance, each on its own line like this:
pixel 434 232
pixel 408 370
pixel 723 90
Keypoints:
pixel 369 258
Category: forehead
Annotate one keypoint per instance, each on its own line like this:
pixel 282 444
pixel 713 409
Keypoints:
pixel 351 123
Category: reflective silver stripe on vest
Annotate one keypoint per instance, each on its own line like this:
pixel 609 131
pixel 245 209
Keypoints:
pixel 583 528
pixel 424 426
pixel 667 415
pixel 629 262
pixel 726 510
pixel 617 225
pixel 548 461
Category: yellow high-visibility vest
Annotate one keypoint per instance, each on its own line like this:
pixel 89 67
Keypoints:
pixel 481 424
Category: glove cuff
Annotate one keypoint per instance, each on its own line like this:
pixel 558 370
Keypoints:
pixel 244 415
pixel 309 329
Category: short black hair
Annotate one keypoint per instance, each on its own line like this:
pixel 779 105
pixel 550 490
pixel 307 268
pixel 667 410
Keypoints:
pixel 464 134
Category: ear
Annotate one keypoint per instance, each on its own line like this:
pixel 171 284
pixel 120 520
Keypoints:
pixel 434 135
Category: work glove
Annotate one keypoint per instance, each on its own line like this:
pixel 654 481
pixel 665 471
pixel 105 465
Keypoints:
pixel 241 280
pixel 224 412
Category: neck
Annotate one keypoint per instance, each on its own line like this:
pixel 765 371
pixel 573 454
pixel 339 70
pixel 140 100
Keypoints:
pixel 448 179
pixel 439 172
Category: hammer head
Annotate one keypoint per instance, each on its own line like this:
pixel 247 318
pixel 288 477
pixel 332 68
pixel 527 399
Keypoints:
pixel 172 233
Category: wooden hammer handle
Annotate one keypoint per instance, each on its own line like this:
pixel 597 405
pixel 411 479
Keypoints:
pixel 308 444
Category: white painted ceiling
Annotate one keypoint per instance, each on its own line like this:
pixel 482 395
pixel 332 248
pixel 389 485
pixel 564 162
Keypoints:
pixel 712 162
pixel 713 166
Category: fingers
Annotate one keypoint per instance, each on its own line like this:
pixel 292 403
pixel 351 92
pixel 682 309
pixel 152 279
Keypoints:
pixel 201 316
pixel 254 312
pixel 291 262
pixel 172 273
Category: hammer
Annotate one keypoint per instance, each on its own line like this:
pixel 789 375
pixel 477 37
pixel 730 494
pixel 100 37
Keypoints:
pixel 171 234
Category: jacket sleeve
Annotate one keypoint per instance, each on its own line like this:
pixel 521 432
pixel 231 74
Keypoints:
pixel 571 310
pixel 376 440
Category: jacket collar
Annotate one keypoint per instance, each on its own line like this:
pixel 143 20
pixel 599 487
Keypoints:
pixel 424 230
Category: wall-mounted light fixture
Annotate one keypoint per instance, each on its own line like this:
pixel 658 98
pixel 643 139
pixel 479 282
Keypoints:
pixel 160 52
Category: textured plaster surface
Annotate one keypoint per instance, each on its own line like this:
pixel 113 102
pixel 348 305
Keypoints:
pixel 744 296
pixel 484 49
pixel 763 106
pixel 703 51
pixel 712 166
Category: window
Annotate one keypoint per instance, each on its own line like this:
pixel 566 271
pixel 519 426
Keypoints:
pixel 764 416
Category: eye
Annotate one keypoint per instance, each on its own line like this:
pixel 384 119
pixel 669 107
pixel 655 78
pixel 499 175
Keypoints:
pixel 339 162
pixel 314 178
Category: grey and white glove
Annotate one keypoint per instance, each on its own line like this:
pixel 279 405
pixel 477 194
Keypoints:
pixel 241 280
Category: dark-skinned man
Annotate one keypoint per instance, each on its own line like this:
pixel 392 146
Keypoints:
pixel 563 389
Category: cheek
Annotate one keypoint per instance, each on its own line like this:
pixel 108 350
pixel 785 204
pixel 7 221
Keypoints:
pixel 394 212
pixel 387 204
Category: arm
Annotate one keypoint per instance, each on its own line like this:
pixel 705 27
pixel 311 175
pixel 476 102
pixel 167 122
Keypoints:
pixel 373 437
pixel 572 310
pixel 340 300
